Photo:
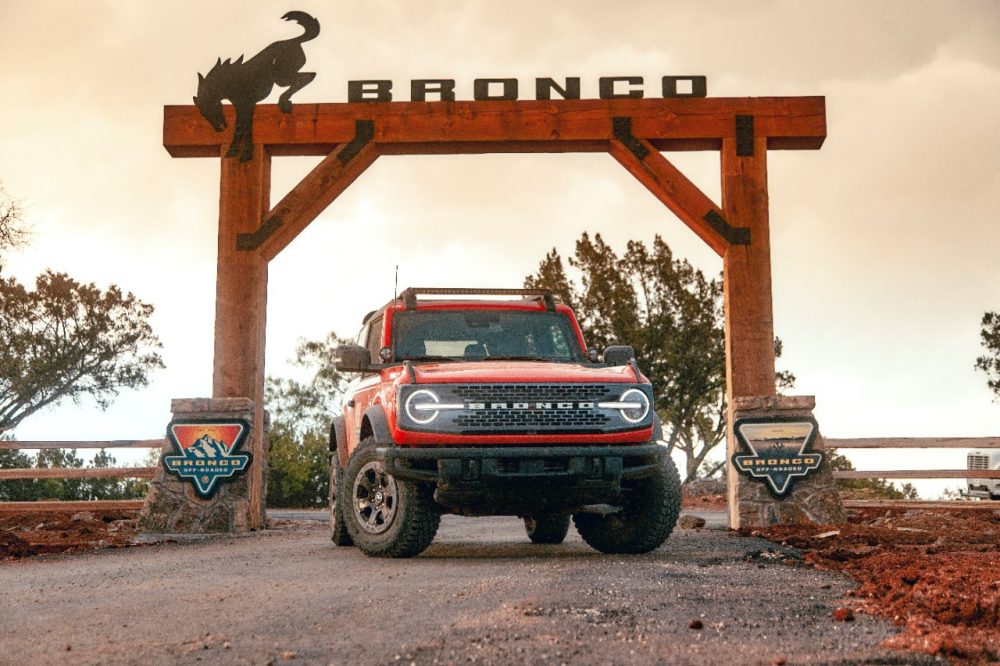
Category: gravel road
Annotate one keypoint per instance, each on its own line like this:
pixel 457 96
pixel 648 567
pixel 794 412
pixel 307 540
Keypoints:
pixel 480 594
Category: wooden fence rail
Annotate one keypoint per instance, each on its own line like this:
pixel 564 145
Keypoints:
pixel 109 444
pixel 148 472
pixel 72 505
pixel 917 474
pixel 916 443
pixel 78 473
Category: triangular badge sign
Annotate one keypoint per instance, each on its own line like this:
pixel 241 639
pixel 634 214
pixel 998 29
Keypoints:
pixel 207 452
pixel 777 451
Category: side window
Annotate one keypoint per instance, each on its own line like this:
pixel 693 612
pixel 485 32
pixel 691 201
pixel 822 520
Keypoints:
pixel 374 341
pixel 362 335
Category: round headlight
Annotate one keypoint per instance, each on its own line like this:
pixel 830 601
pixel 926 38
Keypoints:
pixel 637 414
pixel 420 406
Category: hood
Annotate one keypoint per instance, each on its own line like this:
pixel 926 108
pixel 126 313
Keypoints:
pixel 484 372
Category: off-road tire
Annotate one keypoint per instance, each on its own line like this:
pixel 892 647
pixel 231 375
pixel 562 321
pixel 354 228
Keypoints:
pixel 547 528
pixel 415 517
pixel 649 512
pixel 338 529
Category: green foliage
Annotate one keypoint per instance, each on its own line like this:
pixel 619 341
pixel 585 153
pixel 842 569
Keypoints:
pixel 70 340
pixel 115 489
pixel 867 488
pixel 28 490
pixel 671 314
pixel 301 412
pixel 17 490
pixel 304 406
pixel 989 363
pixel 299 472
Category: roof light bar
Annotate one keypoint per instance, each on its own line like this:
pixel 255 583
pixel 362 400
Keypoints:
pixel 409 296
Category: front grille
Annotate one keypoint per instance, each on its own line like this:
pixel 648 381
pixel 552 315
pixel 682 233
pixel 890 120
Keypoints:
pixel 525 408
pixel 978 461
pixel 489 420
pixel 532 392
pixel 508 419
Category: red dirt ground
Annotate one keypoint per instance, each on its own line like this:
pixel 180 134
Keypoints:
pixel 38 532
pixel 936 573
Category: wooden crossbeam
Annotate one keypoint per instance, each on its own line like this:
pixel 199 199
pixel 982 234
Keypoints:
pixel 499 126
pixel 79 473
pixel 674 190
pixel 310 197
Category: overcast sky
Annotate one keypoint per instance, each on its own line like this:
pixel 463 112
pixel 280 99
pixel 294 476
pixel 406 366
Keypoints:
pixel 885 243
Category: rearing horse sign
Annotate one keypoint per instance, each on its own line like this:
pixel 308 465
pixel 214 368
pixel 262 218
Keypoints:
pixel 246 83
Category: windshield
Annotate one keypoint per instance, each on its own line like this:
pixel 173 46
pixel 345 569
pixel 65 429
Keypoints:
pixel 477 335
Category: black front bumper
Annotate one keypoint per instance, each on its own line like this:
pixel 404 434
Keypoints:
pixel 523 480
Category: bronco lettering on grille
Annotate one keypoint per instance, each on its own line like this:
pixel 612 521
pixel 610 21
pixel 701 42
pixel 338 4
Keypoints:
pixel 528 405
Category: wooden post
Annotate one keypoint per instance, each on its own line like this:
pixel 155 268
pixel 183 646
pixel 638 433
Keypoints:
pixel 241 303
pixel 747 284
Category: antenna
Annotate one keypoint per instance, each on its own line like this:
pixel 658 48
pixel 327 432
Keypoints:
pixel 395 287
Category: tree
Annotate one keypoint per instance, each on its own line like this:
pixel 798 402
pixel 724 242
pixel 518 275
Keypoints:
pixel 299 469
pixel 989 363
pixel 113 489
pixel 13 234
pixel 301 412
pixel 867 488
pixel 67 340
pixel 304 406
pixel 28 490
pixel 672 315
pixel 16 490
pixel 59 489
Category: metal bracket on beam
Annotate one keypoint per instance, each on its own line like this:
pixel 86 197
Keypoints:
pixel 364 132
pixel 254 240
pixel 744 136
pixel 733 235
pixel 621 127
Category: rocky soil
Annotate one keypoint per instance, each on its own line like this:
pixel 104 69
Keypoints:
pixel 39 532
pixel 936 573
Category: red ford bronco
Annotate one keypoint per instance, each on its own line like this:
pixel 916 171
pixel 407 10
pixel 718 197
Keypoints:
pixel 494 407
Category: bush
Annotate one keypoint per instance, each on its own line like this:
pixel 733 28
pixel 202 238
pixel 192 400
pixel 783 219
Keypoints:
pixel 299 469
pixel 868 488
pixel 30 490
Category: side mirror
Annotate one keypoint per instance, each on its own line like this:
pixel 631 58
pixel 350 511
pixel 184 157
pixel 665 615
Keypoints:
pixel 618 354
pixel 352 358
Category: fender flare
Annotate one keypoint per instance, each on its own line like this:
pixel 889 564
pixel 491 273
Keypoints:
pixel 657 429
pixel 376 423
pixel 338 433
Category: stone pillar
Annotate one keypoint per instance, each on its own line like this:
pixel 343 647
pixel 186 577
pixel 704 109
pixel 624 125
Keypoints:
pixel 173 505
pixel 812 499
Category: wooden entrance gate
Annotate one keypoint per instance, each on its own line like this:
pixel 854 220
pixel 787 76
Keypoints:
pixel 633 131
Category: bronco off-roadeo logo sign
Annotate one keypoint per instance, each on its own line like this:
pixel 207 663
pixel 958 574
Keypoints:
pixel 780 451
pixel 206 452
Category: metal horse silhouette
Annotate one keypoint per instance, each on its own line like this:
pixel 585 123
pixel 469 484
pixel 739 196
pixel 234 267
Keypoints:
pixel 246 83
